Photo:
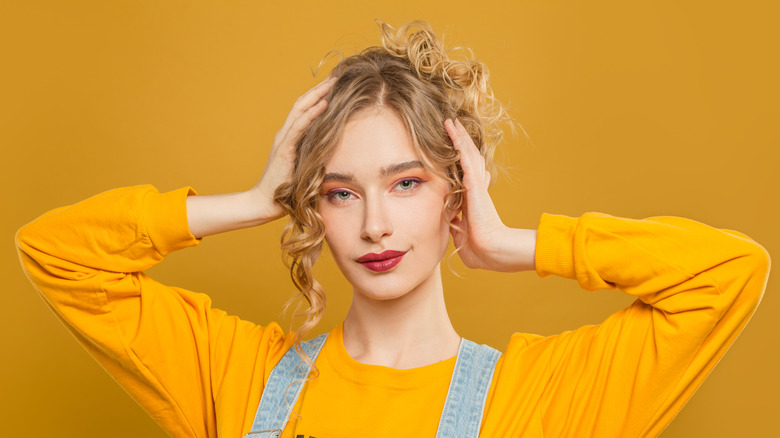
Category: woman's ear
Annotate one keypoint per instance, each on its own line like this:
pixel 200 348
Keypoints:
pixel 451 213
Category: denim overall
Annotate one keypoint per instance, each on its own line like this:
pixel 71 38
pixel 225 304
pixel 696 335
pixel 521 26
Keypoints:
pixel 463 408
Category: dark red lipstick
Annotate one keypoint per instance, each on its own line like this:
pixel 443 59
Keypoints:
pixel 383 261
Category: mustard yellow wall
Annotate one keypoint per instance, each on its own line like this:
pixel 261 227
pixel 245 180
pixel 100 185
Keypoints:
pixel 632 108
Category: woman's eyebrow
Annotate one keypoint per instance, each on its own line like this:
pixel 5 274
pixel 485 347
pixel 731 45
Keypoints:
pixel 335 176
pixel 391 169
pixel 400 167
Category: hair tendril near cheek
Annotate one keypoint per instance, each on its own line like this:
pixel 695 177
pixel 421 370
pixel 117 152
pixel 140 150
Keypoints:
pixel 455 197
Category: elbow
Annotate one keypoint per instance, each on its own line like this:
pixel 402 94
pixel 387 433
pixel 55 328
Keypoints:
pixel 749 272
pixel 32 232
pixel 22 239
pixel 760 264
pixel 35 247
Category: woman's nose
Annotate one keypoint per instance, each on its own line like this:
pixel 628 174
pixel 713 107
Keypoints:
pixel 376 222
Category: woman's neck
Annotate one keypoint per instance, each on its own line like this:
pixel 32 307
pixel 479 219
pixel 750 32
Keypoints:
pixel 406 332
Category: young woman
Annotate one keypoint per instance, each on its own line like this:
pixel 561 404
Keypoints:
pixel 384 161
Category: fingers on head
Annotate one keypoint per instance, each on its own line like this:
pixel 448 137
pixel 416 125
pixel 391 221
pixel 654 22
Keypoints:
pixel 314 95
pixel 460 137
pixel 470 156
pixel 455 134
pixel 310 114
pixel 320 90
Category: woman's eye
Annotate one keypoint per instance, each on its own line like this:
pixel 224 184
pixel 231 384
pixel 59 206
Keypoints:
pixel 407 184
pixel 340 195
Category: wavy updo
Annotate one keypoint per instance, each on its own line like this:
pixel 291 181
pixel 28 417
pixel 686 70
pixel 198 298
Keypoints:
pixel 412 75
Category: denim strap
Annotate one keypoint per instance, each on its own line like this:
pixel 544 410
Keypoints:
pixel 471 379
pixel 463 408
pixel 282 390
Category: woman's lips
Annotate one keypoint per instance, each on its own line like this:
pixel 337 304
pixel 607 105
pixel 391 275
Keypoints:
pixel 381 262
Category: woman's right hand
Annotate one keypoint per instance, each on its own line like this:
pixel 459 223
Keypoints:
pixel 278 168
pixel 214 214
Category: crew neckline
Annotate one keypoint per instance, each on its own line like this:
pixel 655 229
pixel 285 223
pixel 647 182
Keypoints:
pixel 337 358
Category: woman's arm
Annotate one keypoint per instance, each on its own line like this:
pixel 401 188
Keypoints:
pixel 214 214
pixel 696 288
pixel 166 346
pixel 162 344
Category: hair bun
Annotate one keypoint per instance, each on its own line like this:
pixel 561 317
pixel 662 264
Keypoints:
pixel 463 77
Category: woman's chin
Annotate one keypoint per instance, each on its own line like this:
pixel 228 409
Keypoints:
pixel 385 291
pixel 386 295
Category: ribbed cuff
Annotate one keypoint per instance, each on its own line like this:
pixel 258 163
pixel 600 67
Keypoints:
pixel 555 246
pixel 165 216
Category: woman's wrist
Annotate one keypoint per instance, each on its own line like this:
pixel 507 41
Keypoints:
pixel 517 249
pixel 213 214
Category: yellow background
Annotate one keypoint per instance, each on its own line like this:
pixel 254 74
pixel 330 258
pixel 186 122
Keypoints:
pixel 633 108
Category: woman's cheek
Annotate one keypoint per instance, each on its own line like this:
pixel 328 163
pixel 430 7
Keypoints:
pixel 333 230
pixel 427 217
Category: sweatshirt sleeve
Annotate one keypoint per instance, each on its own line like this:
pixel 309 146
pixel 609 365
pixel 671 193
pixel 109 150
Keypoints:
pixel 166 346
pixel 696 288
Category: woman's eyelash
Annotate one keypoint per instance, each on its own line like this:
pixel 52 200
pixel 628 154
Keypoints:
pixel 338 194
pixel 403 185
pixel 408 183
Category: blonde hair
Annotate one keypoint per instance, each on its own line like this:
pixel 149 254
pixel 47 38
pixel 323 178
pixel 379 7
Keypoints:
pixel 413 75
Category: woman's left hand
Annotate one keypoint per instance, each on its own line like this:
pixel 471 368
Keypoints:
pixel 484 241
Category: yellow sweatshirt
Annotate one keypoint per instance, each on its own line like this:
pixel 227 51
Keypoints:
pixel 200 372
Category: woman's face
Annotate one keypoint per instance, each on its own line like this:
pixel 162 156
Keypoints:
pixel 382 209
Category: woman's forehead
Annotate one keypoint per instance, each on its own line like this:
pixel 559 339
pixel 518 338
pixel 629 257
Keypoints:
pixel 372 139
